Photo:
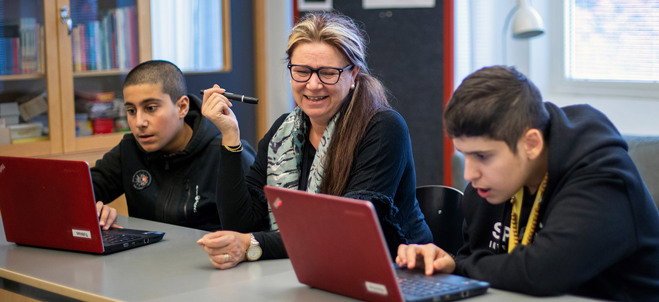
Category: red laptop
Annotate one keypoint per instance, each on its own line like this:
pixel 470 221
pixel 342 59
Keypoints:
pixel 50 203
pixel 336 244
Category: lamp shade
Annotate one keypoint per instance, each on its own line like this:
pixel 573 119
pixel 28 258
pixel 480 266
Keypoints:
pixel 527 22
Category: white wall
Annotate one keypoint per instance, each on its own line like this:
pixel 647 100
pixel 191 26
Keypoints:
pixel 279 20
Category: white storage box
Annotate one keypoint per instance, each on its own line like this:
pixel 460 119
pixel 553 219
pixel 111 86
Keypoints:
pixel 9 111
pixel 25 131
pixel 5 136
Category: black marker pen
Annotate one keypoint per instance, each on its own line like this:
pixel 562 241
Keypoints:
pixel 238 97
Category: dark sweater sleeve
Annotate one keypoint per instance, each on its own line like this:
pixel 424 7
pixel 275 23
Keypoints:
pixel 380 172
pixel 271 244
pixel 246 156
pixel 381 155
pixel 106 176
pixel 244 207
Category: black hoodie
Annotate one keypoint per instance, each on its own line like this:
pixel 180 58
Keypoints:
pixel 598 230
pixel 179 188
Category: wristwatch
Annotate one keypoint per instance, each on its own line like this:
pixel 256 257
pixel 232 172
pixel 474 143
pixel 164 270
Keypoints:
pixel 254 251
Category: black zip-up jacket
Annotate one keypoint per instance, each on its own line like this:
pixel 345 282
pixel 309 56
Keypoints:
pixel 598 229
pixel 180 188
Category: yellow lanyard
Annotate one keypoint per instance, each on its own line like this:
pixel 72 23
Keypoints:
pixel 517 201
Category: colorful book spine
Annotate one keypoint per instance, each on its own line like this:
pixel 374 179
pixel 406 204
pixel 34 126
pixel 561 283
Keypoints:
pixel 16 56
pixel 134 51
pixel 113 39
pixel 23 41
pixel 109 42
pixel 98 54
pixel 83 47
pixel 29 45
pixel 9 55
pixel 91 47
pixel 105 38
pixel 41 65
pixel 121 38
pixel 3 56
pixel 75 49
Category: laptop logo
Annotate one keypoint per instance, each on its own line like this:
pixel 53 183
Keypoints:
pixel 82 234
pixel 277 203
pixel 376 288
pixel 2 168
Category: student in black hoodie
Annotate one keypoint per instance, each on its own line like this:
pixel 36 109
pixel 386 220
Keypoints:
pixel 582 220
pixel 168 167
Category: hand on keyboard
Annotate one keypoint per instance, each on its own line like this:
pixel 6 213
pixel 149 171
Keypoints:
pixel 107 216
pixel 429 257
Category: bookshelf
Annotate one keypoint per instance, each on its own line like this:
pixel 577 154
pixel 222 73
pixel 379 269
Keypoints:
pixel 58 64
pixel 69 68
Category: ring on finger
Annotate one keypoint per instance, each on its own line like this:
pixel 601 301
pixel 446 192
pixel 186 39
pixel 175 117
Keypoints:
pixel 226 258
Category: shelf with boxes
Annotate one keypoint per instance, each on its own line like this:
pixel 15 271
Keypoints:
pixel 24 120
pixel 99 112
pixel 23 78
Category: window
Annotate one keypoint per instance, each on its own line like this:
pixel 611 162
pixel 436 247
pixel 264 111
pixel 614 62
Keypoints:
pixel 606 48
pixel 191 34
pixel 481 36
pixel 616 40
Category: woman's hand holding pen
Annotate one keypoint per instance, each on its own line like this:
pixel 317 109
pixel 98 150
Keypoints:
pixel 217 108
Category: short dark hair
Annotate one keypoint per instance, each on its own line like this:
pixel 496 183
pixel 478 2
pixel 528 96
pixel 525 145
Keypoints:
pixel 496 102
pixel 159 72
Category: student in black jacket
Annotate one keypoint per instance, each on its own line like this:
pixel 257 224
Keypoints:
pixel 169 165
pixel 554 205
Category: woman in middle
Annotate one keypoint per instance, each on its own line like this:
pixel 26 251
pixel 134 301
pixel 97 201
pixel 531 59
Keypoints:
pixel 343 139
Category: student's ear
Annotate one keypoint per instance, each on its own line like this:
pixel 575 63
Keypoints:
pixel 183 105
pixel 533 143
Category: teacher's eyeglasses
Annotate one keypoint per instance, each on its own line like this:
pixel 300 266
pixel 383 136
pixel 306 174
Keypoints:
pixel 327 75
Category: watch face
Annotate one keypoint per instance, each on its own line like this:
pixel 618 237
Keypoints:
pixel 254 253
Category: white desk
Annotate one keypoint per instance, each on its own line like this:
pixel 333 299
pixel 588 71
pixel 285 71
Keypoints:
pixel 175 269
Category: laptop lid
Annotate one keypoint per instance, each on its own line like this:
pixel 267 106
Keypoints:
pixel 50 203
pixel 336 244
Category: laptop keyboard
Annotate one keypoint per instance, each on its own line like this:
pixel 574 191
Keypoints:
pixel 113 238
pixel 419 285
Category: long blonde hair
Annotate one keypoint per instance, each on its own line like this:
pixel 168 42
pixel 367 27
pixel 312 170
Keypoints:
pixel 368 97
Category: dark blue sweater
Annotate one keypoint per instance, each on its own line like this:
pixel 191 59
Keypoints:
pixel 383 172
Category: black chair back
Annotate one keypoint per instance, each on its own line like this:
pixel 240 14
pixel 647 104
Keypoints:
pixel 443 214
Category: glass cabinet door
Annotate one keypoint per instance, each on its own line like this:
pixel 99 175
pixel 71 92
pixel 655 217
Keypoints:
pixel 29 95
pixel 104 39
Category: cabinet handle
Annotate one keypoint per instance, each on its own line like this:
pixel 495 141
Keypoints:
pixel 66 18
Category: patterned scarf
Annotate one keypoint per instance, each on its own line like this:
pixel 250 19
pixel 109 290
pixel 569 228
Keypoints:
pixel 285 155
